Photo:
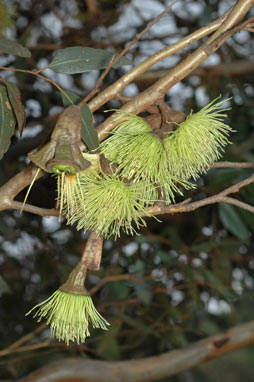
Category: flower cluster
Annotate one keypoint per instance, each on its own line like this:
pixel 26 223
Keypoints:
pixel 172 160
pixel 145 167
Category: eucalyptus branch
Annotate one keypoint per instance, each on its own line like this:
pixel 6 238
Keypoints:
pixel 124 51
pixel 129 77
pixel 159 89
pixel 156 367
pixel 233 165
pixel 16 184
pixel 23 179
pixel 159 209
pixel 33 209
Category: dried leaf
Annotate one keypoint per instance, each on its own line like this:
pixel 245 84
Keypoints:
pixel 7 121
pixel 17 106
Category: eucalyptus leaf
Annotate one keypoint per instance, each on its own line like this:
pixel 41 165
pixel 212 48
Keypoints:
pixel 7 121
pixel 79 59
pixel 233 221
pixel 12 47
pixel 89 133
pixel 4 287
pixel 70 98
pixel 17 106
pixel 108 347
pixel 216 284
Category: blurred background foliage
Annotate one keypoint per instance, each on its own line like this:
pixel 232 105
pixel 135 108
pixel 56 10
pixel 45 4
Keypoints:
pixel 180 280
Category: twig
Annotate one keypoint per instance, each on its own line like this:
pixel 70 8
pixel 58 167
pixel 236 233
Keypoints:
pixel 124 51
pixel 118 86
pixel 35 73
pixel 10 189
pixel 33 209
pixel 158 90
pixel 220 197
pixel 233 165
pixel 23 339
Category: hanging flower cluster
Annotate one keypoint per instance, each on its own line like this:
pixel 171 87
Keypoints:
pixel 145 167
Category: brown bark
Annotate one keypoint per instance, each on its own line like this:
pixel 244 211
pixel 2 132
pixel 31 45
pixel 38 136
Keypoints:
pixel 148 369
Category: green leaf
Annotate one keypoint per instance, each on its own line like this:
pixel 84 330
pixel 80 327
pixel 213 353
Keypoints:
pixel 12 47
pixel 217 285
pixel 17 106
pixel 7 121
pixel 78 59
pixel 248 218
pixel 108 346
pixel 4 287
pixel 88 133
pixel 143 292
pixel 70 98
pixel 119 289
pixel 136 324
pixel 232 221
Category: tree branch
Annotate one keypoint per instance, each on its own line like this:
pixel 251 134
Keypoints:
pixel 124 51
pixel 159 89
pixel 10 189
pixel 129 77
pixel 149 369
pixel 16 184
pixel 233 165
pixel 159 209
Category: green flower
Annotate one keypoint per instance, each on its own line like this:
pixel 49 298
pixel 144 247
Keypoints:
pixel 172 160
pixel 133 147
pixel 140 154
pixel 70 310
pixel 198 141
pixel 69 194
pixel 110 204
pixel 70 197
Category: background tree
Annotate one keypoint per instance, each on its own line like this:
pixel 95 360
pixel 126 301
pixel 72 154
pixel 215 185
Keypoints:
pixel 180 281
